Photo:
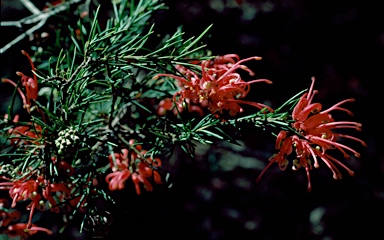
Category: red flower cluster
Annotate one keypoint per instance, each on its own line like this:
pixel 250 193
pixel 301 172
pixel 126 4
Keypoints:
pixel 7 217
pixel 21 230
pixel 39 191
pixel 314 136
pixel 219 87
pixel 132 163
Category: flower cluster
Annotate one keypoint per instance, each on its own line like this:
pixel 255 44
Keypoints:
pixel 133 163
pixel 39 192
pixel 8 217
pixel 313 137
pixel 219 87
pixel 67 138
pixel 30 184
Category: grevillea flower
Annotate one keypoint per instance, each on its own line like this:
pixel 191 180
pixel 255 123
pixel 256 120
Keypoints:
pixel 116 180
pixel 54 193
pixel 133 164
pixel 38 191
pixel 24 231
pixel 313 137
pixel 144 172
pixel 24 190
pixel 30 84
pixel 119 165
pixel 219 86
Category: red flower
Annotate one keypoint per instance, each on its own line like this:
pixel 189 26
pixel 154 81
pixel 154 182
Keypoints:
pixel 284 145
pixel 219 85
pixel 116 180
pixel 60 190
pixel 24 231
pixel 24 190
pixel 145 172
pixel 35 190
pixel 119 165
pixel 30 85
pixel 133 164
pixel 313 137
pixel 318 127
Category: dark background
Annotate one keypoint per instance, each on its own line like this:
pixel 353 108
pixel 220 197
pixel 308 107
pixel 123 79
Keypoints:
pixel 341 43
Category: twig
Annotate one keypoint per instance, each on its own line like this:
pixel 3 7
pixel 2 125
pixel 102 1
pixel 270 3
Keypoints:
pixel 81 66
pixel 30 6
pixel 38 16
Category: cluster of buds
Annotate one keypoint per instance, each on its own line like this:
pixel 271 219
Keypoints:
pixel 218 88
pixel 133 163
pixel 67 138
pixel 313 137
pixel 6 170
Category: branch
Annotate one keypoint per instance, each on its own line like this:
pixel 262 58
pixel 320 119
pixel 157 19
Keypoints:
pixel 39 17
